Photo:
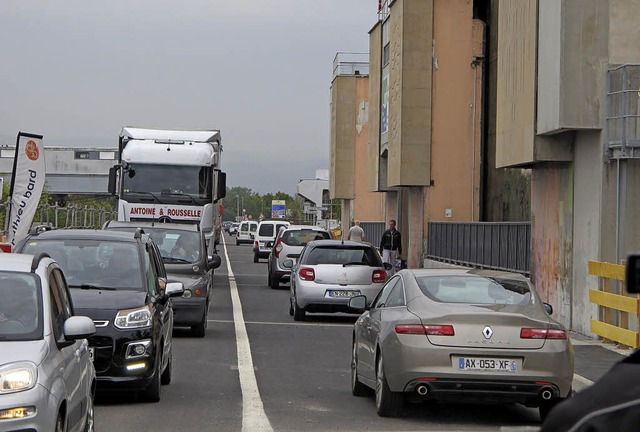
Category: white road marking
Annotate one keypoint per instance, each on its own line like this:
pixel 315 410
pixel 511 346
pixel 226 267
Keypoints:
pixel 292 324
pixel 253 416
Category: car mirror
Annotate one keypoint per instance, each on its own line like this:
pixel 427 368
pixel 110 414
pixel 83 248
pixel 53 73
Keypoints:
pixel 78 327
pixel 358 303
pixel 387 266
pixel 288 263
pixel 632 276
pixel 548 308
pixel 214 261
pixel 174 289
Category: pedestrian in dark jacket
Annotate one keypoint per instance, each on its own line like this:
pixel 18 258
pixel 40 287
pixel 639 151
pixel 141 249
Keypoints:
pixel 391 244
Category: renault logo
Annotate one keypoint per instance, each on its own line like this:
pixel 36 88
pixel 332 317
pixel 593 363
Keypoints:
pixel 487 332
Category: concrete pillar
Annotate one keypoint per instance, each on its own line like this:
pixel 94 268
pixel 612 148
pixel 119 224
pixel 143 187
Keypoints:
pixel 412 237
pixel 391 206
pixel 345 221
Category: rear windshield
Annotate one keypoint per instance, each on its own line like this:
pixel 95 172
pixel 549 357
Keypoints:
pixel 176 246
pixel 266 230
pixel 94 263
pixel 303 236
pixel 344 255
pixel 20 307
pixel 475 290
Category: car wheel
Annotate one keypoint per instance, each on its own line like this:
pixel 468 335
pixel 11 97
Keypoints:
pixel 237 242
pixel 60 423
pixel 299 313
pixel 290 307
pixel 256 258
pixel 90 421
pixel 357 388
pixel 154 389
pixel 274 283
pixel 165 379
pixel 199 329
pixel 388 403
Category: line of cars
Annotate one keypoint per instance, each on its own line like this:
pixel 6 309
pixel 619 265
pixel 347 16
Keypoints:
pixel 123 288
pixel 428 334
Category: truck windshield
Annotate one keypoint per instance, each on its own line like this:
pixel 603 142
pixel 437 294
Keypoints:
pixel 168 180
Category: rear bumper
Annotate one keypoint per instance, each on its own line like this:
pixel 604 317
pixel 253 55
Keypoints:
pixel 315 298
pixel 188 312
pixel 524 392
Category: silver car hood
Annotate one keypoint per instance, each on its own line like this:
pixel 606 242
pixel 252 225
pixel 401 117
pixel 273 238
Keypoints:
pixel 34 351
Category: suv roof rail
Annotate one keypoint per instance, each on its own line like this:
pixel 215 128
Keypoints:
pixel 36 260
pixel 138 233
pixel 35 230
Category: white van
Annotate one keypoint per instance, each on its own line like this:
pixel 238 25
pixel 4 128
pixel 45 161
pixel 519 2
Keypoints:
pixel 246 232
pixel 265 235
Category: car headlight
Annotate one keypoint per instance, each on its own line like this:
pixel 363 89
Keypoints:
pixel 133 318
pixel 15 377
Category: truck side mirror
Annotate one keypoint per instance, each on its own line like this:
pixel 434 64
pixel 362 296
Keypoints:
pixel 632 276
pixel 113 171
pixel 221 185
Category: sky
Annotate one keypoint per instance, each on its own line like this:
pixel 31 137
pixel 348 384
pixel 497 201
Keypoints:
pixel 77 71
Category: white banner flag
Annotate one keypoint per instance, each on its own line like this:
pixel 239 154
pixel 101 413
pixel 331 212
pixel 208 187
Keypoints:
pixel 27 183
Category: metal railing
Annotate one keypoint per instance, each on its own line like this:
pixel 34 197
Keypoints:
pixel 351 63
pixel 623 112
pixel 69 216
pixel 490 245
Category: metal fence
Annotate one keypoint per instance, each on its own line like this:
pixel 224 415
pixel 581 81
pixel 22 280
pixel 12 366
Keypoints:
pixel 490 245
pixel 372 231
pixel 69 216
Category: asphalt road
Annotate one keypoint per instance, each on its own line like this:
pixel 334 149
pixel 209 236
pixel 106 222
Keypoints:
pixel 258 370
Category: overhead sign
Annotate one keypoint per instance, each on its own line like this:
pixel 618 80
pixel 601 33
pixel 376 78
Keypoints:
pixel 278 209
pixel 27 182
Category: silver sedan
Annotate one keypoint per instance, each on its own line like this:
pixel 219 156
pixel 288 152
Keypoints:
pixel 459 335
pixel 330 272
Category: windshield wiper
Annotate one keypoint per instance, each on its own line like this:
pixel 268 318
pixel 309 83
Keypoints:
pixel 174 260
pixel 92 287
pixel 182 194
pixel 354 263
pixel 146 193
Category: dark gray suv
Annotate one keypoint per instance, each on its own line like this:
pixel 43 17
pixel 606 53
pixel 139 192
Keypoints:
pixel 187 260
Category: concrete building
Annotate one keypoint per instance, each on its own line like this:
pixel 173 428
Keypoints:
pixel 349 140
pixel 69 170
pixel 505 111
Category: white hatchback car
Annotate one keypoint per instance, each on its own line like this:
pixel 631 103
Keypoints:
pixel 47 378
pixel 288 244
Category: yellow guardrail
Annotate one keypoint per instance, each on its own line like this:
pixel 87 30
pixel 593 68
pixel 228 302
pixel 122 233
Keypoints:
pixel 614 308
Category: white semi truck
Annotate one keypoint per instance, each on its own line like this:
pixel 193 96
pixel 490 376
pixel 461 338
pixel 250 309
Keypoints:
pixel 170 176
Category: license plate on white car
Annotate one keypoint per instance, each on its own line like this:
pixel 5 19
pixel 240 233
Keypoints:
pixel 92 353
pixel 341 293
pixel 486 364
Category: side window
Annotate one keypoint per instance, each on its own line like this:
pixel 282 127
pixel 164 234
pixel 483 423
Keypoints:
pixel 396 296
pixel 65 298
pixel 381 300
pixel 57 308
pixel 151 274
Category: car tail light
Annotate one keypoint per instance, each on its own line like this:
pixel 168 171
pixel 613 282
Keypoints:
pixel 542 333
pixel 278 248
pixel 379 276
pixel 256 245
pixel 307 274
pixel 426 329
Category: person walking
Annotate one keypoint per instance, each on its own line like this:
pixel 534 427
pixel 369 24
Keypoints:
pixel 391 245
pixel 356 233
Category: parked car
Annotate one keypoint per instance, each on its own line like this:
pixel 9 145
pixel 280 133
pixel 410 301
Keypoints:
pixel 329 272
pixel 459 335
pixel 47 378
pixel 186 260
pixel 233 229
pixel 288 244
pixel 118 279
pixel 246 232
pixel 265 235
